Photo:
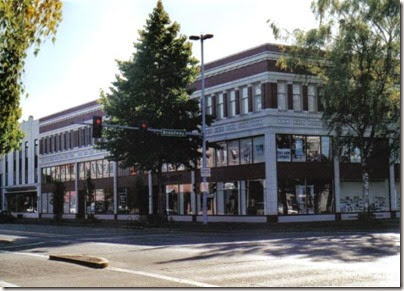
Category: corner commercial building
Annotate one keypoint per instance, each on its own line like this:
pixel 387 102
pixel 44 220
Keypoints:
pixel 275 165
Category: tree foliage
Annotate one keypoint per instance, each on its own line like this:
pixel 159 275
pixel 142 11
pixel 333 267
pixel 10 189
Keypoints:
pixel 23 23
pixel 355 51
pixel 153 86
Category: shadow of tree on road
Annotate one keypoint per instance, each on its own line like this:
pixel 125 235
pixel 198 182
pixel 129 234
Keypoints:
pixel 347 248
pixel 357 246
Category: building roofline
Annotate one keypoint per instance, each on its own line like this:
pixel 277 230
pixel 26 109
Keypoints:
pixel 266 47
pixel 69 110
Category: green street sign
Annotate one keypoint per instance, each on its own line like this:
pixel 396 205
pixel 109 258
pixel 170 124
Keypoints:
pixel 173 132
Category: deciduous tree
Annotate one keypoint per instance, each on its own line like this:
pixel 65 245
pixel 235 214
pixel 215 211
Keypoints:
pixel 355 51
pixel 23 23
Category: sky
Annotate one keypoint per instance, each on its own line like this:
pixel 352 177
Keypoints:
pixel 95 33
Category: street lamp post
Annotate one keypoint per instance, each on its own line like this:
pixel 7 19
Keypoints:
pixel 202 37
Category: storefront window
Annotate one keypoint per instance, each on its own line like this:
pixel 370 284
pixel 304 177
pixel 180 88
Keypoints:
pixel 122 200
pixel 231 198
pixel 221 155
pixel 73 202
pixel 233 152
pixel 172 199
pixel 255 197
pixel 211 201
pixel 304 196
pixel 109 201
pixel 50 202
pixel 283 148
pixel 185 199
pixel 66 203
pixel 100 201
pixel 298 148
pixel 44 202
pixel 258 154
pixel 246 151
pixel 352 198
pixel 313 149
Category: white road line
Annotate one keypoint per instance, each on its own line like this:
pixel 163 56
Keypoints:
pixel 25 254
pixel 163 277
pixel 7 285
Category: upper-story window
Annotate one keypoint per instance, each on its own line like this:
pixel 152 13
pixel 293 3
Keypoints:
pixel 282 101
pixel 232 103
pixel 233 149
pixel 220 107
pixel 221 155
pixel 246 151
pixel 244 100
pixel 297 97
pixel 313 149
pixel 311 89
pixel 208 100
pixel 298 148
pixel 257 97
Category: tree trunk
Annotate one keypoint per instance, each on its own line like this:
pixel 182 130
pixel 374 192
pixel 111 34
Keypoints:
pixel 365 186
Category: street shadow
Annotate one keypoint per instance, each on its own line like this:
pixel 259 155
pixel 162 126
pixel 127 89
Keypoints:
pixel 347 248
pixel 327 245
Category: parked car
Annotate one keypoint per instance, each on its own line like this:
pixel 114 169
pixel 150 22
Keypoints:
pixel 6 217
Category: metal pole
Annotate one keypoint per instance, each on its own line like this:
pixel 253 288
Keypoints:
pixel 205 194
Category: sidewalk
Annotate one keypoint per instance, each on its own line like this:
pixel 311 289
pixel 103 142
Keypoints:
pixel 384 225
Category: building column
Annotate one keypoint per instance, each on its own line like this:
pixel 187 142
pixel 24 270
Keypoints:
pixel 3 182
pixel 337 186
pixel 242 194
pixel 150 184
pixel 193 194
pixel 220 198
pixel 39 191
pixel 76 187
pixel 181 203
pixel 393 192
pixel 271 179
pixel 22 170
pixel 115 169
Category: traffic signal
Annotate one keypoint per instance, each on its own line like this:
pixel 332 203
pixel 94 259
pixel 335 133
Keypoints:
pixel 97 126
pixel 143 127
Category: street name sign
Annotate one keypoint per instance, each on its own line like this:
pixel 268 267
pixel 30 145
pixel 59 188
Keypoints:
pixel 205 172
pixel 173 132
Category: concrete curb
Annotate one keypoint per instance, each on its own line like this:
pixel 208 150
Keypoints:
pixel 89 261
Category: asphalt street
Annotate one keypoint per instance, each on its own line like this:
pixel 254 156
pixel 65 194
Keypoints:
pixel 178 258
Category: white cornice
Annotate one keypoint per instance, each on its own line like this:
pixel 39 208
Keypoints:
pixel 71 115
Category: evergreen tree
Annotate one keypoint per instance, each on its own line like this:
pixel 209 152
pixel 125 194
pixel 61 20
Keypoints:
pixel 355 52
pixel 153 86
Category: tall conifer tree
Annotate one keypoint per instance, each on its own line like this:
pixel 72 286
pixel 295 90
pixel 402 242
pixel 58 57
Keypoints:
pixel 153 86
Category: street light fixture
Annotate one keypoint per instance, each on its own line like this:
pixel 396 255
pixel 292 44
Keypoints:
pixel 203 37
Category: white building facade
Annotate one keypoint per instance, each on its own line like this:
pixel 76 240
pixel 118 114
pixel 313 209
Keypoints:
pixel 19 180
